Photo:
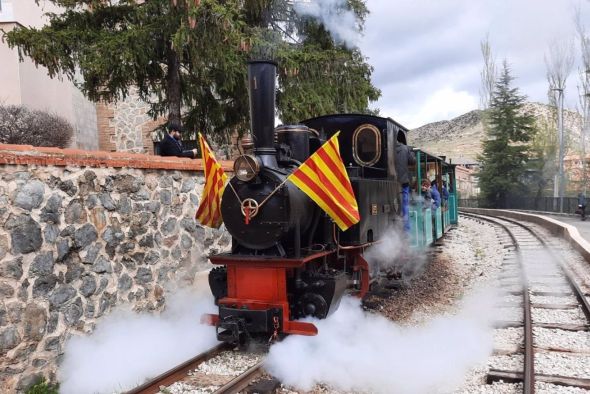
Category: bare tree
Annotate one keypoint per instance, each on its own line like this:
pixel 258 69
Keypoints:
pixel 559 62
pixel 488 74
pixel 583 87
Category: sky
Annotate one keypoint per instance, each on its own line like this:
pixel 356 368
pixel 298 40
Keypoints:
pixel 427 59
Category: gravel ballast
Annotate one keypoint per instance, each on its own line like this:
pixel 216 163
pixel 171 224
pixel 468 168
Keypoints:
pixel 472 257
pixel 568 340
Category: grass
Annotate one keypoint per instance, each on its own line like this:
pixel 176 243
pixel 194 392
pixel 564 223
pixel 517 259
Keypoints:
pixel 43 387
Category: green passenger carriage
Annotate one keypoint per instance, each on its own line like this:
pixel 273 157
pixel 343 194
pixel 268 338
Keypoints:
pixel 429 224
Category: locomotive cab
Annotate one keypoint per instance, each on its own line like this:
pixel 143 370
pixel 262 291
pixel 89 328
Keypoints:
pixel 368 151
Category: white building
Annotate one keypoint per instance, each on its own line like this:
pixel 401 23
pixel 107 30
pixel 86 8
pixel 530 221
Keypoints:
pixel 22 83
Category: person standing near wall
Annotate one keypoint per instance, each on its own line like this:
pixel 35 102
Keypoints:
pixel 582 205
pixel 171 145
pixel 404 157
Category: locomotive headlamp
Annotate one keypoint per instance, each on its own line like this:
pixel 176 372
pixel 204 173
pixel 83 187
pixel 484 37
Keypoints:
pixel 246 167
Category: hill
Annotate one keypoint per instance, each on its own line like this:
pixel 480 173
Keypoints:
pixel 460 139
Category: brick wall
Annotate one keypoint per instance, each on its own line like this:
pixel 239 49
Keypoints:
pixel 27 154
pixel 146 131
pixel 106 130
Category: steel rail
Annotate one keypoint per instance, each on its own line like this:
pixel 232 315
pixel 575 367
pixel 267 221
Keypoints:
pixel 528 377
pixel 578 292
pixel 242 381
pixel 179 372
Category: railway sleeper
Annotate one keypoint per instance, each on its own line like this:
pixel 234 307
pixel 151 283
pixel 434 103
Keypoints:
pixel 495 375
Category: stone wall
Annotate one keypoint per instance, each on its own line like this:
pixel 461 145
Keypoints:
pixel 81 233
pixel 130 117
pixel 125 126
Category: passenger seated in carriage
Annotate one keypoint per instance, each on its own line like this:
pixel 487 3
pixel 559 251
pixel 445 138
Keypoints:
pixel 426 195
pixel 435 195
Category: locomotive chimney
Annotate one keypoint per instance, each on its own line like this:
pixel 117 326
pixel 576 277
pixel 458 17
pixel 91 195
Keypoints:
pixel 261 80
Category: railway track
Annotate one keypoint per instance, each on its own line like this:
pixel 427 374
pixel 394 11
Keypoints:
pixel 525 267
pixel 183 370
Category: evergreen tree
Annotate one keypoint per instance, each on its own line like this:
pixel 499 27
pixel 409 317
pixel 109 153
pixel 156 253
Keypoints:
pixel 505 151
pixel 187 57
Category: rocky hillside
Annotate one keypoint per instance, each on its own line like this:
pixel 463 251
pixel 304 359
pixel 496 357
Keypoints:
pixel 461 138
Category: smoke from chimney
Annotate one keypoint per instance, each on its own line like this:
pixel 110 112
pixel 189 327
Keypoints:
pixel 336 17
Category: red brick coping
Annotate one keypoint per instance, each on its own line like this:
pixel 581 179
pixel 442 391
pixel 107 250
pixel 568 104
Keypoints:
pixel 27 154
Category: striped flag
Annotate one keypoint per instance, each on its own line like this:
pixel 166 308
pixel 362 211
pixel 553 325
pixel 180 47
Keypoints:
pixel 209 212
pixel 324 179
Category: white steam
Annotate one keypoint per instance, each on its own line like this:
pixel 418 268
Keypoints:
pixel 336 17
pixel 392 254
pixel 126 347
pixel 355 350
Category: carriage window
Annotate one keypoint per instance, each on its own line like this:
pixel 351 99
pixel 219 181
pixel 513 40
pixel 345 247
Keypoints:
pixel 366 145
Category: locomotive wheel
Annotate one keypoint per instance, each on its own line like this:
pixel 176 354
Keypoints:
pixel 218 282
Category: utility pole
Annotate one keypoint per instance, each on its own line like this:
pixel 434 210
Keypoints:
pixel 560 181
pixel 585 128
pixel 559 64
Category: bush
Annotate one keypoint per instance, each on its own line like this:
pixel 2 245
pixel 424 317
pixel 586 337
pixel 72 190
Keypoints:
pixel 20 125
pixel 43 387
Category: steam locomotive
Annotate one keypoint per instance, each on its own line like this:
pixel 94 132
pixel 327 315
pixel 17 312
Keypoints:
pixel 288 259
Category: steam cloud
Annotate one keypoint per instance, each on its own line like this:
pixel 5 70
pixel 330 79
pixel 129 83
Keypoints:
pixel 126 348
pixel 392 253
pixel 340 21
pixel 355 350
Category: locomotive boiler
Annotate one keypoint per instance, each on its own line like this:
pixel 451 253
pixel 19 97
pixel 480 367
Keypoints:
pixel 264 213
pixel 288 260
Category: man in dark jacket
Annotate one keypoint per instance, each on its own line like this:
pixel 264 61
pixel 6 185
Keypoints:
pixel 404 156
pixel 435 195
pixel 445 194
pixel 171 144
pixel 582 205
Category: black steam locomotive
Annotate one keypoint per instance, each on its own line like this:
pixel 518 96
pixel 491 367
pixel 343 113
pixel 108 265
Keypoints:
pixel 288 259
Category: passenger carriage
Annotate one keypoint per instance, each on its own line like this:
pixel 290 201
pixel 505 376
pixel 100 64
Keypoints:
pixel 429 224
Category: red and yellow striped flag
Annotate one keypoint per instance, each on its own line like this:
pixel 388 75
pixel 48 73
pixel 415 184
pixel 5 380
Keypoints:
pixel 324 179
pixel 209 212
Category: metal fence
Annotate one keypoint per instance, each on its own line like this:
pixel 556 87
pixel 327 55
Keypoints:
pixel 545 204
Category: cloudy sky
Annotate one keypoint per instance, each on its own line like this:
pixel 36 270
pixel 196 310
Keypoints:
pixel 426 53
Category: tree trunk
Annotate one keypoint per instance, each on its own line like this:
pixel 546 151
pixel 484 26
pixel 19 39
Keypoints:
pixel 173 88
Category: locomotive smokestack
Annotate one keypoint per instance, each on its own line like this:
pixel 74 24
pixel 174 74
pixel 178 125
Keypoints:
pixel 261 79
